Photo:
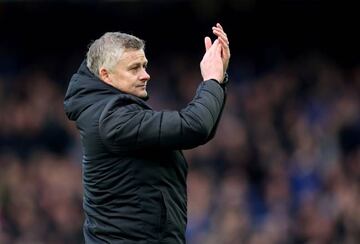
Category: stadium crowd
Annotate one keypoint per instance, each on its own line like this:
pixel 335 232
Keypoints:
pixel 284 166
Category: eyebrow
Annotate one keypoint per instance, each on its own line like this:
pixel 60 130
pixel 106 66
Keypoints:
pixel 138 63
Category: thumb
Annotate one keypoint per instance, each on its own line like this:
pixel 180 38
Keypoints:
pixel 208 43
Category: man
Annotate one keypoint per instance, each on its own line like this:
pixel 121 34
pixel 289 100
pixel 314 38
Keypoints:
pixel 134 173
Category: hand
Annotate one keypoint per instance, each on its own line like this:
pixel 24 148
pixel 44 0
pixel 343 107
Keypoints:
pixel 222 42
pixel 211 64
pixel 225 50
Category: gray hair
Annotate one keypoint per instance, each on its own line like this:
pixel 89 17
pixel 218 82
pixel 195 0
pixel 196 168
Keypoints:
pixel 107 50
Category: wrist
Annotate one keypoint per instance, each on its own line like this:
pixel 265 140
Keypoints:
pixel 223 81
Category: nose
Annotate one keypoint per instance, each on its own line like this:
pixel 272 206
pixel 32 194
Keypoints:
pixel 145 76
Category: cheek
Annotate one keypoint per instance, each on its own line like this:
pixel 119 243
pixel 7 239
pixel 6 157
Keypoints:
pixel 124 81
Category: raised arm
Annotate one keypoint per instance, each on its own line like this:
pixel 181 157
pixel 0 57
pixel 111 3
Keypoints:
pixel 132 127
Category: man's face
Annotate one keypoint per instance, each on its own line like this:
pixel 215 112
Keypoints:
pixel 129 75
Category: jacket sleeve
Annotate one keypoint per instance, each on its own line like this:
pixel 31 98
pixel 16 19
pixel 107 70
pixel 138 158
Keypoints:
pixel 127 127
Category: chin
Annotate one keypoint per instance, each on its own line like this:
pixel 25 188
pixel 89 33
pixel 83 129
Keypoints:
pixel 143 95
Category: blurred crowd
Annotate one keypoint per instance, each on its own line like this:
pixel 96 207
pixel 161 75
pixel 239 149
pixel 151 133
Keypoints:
pixel 284 166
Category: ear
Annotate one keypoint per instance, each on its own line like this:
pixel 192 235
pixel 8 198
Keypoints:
pixel 105 75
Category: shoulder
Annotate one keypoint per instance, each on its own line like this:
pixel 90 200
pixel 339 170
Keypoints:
pixel 123 103
pixel 124 100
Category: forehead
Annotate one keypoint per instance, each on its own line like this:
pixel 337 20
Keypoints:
pixel 131 56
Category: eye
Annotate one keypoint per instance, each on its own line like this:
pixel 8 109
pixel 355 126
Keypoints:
pixel 135 67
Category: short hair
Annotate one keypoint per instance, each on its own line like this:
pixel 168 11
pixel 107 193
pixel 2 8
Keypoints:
pixel 108 49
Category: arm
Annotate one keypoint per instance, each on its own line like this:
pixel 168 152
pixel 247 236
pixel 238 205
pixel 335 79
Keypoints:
pixel 131 127
pixel 225 56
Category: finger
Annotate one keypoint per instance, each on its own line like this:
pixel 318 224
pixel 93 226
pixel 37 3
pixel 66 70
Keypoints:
pixel 218 49
pixel 213 47
pixel 208 43
pixel 224 43
pixel 219 30
pixel 225 52
pixel 219 26
pixel 220 34
pixel 215 44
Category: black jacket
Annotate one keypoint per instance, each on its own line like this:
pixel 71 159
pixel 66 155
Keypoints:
pixel 134 174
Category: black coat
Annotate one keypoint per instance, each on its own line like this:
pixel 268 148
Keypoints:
pixel 134 174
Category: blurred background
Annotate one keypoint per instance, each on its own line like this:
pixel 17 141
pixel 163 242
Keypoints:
pixel 284 166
